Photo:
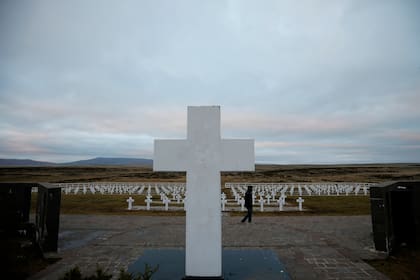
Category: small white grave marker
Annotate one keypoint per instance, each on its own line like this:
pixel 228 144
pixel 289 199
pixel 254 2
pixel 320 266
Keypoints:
pixel 268 196
pixel 178 198
pixel 148 201
pixel 300 200
pixel 283 198
pixel 130 201
pixel 166 201
pixel 242 202
pixel 280 202
pixel 273 194
pixel 223 202
pixel 365 190
pixel 261 201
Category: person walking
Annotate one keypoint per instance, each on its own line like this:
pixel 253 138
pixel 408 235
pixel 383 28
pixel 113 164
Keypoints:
pixel 248 204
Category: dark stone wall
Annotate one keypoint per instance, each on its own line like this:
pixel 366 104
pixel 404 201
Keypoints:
pixel 395 208
pixel 15 205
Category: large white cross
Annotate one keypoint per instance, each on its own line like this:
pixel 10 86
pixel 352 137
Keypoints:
pixel 203 155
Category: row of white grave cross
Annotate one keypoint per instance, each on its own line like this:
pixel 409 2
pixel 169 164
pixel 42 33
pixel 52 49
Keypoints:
pixel 264 194
pixel 303 189
pixel 122 188
pixel 292 189
pixel 178 195
pixel 165 200
pixel 281 202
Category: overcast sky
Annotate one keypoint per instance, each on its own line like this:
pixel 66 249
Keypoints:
pixel 310 81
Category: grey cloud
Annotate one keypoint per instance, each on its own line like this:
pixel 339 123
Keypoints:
pixel 339 72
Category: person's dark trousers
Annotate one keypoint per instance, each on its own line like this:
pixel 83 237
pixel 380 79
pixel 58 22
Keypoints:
pixel 248 215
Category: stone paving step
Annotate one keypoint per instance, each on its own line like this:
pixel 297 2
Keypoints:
pixel 310 247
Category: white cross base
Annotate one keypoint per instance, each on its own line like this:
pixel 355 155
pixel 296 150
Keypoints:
pixel 203 155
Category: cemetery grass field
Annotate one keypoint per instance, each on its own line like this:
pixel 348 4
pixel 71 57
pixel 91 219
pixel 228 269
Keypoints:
pixel 115 204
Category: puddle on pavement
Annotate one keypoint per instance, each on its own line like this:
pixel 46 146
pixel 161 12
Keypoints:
pixel 237 264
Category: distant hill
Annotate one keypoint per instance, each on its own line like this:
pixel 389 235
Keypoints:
pixel 110 161
pixel 88 162
pixel 24 162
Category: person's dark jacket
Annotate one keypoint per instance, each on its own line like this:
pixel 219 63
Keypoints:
pixel 248 199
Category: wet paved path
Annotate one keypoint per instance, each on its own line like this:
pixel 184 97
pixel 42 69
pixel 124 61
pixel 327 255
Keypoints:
pixel 311 247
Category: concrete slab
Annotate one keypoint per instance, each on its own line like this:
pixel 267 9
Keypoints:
pixel 310 247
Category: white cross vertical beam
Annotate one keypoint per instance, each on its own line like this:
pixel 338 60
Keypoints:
pixel 203 155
